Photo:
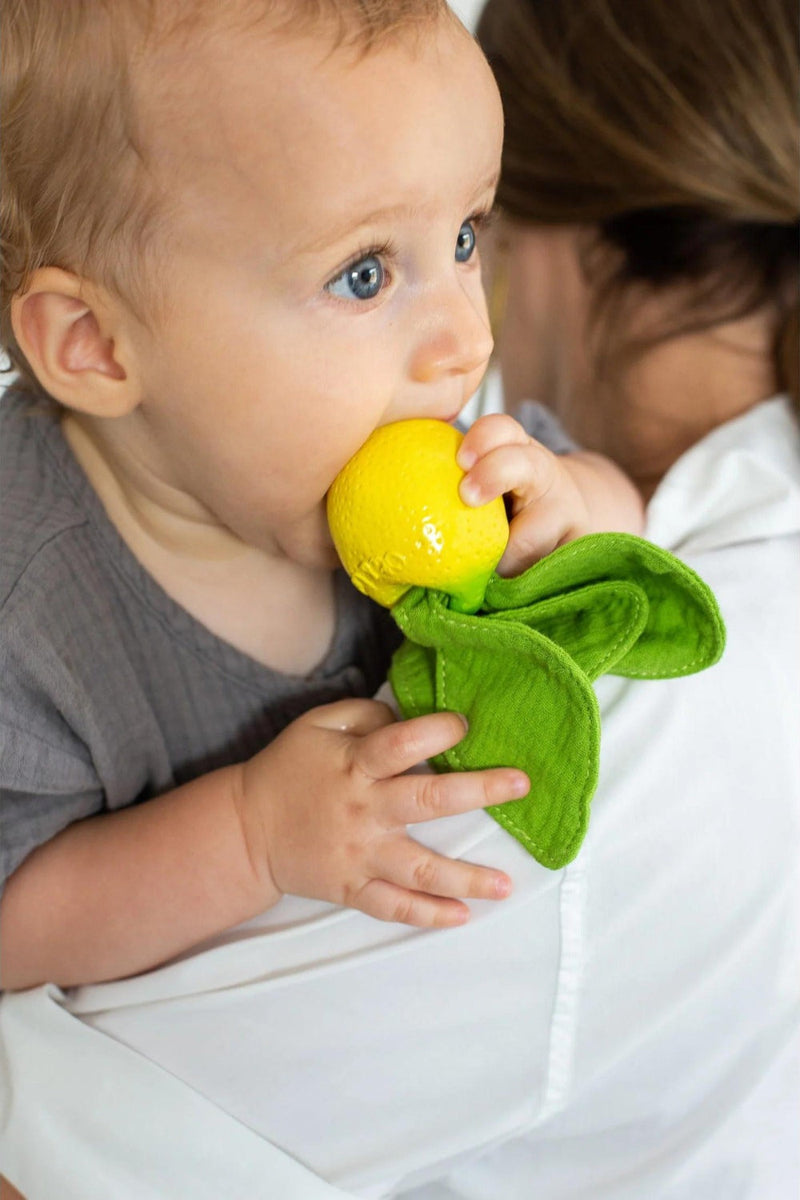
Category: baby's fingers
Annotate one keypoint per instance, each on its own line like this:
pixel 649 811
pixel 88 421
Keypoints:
pixel 525 472
pixel 418 887
pixel 403 744
pixel 415 798
pixel 535 532
pixel 487 433
pixel 421 871
pixel 500 457
pixel 388 902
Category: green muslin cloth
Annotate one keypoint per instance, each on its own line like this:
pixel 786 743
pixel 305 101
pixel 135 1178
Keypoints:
pixel 521 669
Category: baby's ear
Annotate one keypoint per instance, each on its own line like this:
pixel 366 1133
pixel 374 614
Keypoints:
pixel 73 335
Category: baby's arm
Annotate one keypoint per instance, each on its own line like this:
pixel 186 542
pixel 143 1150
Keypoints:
pixel 320 812
pixel 553 498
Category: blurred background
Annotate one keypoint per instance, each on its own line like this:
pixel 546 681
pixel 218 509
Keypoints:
pixel 467 10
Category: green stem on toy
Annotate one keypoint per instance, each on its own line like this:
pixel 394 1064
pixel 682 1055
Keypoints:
pixel 471 596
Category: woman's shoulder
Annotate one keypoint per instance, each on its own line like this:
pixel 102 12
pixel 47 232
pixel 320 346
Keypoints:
pixel 730 509
pixel 738 485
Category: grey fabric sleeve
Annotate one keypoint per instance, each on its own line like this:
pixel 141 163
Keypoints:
pixel 47 778
pixel 540 423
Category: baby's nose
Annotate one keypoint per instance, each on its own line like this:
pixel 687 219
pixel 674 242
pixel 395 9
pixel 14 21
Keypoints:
pixel 455 341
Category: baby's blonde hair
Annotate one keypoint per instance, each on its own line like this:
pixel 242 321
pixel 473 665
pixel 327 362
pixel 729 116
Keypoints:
pixel 78 192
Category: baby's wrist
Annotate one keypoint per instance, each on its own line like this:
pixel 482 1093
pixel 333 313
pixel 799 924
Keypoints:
pixel 257 870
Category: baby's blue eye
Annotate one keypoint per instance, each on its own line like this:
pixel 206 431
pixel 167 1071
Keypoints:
pixel 361 281
pixel 465 242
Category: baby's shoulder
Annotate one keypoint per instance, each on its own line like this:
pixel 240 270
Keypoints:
pixel 40 511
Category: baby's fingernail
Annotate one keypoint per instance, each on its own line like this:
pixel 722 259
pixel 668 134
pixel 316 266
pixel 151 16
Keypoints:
pixel 502 887
pixel 469 492
pixel 520 785
pixel 466 458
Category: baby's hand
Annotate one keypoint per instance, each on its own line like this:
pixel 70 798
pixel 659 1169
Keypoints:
pixel 546 505
pixel 325 808
pixel 553 498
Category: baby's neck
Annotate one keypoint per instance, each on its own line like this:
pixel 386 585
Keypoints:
pixel 278 612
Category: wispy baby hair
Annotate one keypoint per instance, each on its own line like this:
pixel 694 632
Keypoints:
pixel 78 189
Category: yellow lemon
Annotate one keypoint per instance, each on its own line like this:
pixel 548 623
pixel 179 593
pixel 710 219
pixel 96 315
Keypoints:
pixel 397 520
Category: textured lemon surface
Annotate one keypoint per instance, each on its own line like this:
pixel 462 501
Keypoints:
pixel 397 520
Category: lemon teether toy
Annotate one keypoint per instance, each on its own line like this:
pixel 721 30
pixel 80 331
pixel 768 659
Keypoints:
pixel 397 519
pixel 516 656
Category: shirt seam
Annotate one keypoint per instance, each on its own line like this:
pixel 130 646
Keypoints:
pixel 35 737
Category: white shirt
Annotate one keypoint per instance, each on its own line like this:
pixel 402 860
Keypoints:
pixel 624 1029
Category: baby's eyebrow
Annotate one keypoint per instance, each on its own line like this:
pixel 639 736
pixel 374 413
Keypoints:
pixel 351 224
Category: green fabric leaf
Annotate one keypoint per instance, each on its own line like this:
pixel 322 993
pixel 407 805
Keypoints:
pixel 596 625
pixel 547 723
pixel 684 631
pixel 521 669
pixel 414 666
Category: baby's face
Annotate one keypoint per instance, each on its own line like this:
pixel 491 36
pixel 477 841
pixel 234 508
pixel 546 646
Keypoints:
pixel 324 275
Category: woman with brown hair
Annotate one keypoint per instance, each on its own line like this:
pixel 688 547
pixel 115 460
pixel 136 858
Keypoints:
pixel 645 290
pixel 650 202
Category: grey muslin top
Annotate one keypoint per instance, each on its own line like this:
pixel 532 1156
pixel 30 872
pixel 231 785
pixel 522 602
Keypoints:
pixel 111 693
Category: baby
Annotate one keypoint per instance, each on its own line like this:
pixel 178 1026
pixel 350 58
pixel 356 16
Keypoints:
pixel 239 238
